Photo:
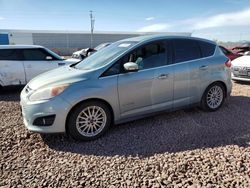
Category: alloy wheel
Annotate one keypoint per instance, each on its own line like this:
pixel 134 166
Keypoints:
pixel 91 121
pixel 214 97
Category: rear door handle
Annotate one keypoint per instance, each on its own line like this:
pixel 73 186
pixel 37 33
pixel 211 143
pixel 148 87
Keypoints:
pixel 203 67
pixel 163 76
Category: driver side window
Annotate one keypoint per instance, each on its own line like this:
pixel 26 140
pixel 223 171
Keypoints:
pixel 148 56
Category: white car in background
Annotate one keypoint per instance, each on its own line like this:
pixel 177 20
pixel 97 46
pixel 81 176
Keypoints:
pixel 20 63
pixel 241 68
pixel 81 54
pixel 247 53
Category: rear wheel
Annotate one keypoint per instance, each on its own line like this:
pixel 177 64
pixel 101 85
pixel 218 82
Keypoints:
pixel 89 120
pixel 213 97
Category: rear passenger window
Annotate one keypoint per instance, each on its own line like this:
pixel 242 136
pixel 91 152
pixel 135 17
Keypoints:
pixel 34 54
pixel 186 50
pixel 207 49
pixel 9 54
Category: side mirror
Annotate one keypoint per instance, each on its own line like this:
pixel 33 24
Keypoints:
pixel 63 57
pixel 48 58
pixel 131 67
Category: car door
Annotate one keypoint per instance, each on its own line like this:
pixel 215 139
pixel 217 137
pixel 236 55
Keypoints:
pixel 11 68
pixel 186 64
pixel 37 61
pixel 151 88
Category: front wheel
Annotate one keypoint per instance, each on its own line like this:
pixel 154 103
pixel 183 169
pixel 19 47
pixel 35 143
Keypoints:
pixel 213 97
pixel 89 120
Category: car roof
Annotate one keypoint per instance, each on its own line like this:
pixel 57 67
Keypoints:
pixel 19 46
pixel 146 38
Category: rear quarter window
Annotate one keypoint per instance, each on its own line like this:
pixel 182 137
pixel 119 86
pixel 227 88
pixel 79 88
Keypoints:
pixel 207 49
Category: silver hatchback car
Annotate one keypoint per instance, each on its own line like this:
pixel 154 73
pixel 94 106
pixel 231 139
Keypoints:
pixel 127 80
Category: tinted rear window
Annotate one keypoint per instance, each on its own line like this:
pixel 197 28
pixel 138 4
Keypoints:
pixel 9 54
pixel 186 50
pixel 207 49
pixel 34 54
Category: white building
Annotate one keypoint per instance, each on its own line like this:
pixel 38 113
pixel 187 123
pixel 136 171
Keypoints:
pixel 66 42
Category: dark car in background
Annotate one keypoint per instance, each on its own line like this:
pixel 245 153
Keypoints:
pixel 244 49
pixel 231 55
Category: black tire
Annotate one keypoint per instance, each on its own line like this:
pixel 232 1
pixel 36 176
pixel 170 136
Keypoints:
pixel 204 101
pixel 73 126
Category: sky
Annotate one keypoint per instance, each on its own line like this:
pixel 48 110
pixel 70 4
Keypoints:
pixel 223 20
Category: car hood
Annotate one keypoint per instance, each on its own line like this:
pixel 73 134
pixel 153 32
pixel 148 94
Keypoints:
pixel 78 52
pixel 243 61
pixel 62 75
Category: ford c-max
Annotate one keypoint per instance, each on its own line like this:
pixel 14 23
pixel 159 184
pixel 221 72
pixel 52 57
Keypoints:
pixel 127 80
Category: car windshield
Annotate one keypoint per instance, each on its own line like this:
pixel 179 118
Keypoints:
pixel 100 46
pixel 103 57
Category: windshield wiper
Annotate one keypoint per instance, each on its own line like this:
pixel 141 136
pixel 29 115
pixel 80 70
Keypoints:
pixel 74 65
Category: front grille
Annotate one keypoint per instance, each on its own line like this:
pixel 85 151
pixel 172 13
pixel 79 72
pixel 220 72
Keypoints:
pixel 239 68
pixel 235 68
pixel 241 72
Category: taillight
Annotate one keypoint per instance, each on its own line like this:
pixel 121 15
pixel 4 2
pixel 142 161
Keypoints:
pixel 228 63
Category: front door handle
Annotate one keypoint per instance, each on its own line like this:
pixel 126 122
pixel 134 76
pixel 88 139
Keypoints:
pixel 203 67
pixel 163 76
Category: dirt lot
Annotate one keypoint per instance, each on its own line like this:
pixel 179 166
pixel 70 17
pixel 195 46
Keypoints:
pixel 187 148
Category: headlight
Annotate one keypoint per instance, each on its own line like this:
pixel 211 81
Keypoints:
pixel 47 92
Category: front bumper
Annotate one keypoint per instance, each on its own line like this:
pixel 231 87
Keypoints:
pixel 241 73
pixel 245 79
pixel 33 110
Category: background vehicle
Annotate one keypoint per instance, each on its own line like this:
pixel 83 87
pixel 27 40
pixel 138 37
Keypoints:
pixel 20 63
pixel 81 54
pixel 247 53
pixel 241 69
pixel 127 80
pixel 231 55
pixel 242 49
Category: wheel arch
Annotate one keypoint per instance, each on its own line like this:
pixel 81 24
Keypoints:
pixel 203 104
pixel 217 81
pixel 221 82
pixel 88 100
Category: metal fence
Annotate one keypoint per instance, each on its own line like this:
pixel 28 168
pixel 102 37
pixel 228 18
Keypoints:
pixel 66 43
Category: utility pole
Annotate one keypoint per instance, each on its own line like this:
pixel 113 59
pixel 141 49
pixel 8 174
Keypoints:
pixel 92 22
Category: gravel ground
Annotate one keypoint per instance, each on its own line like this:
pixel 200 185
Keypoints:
pixel 187 148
